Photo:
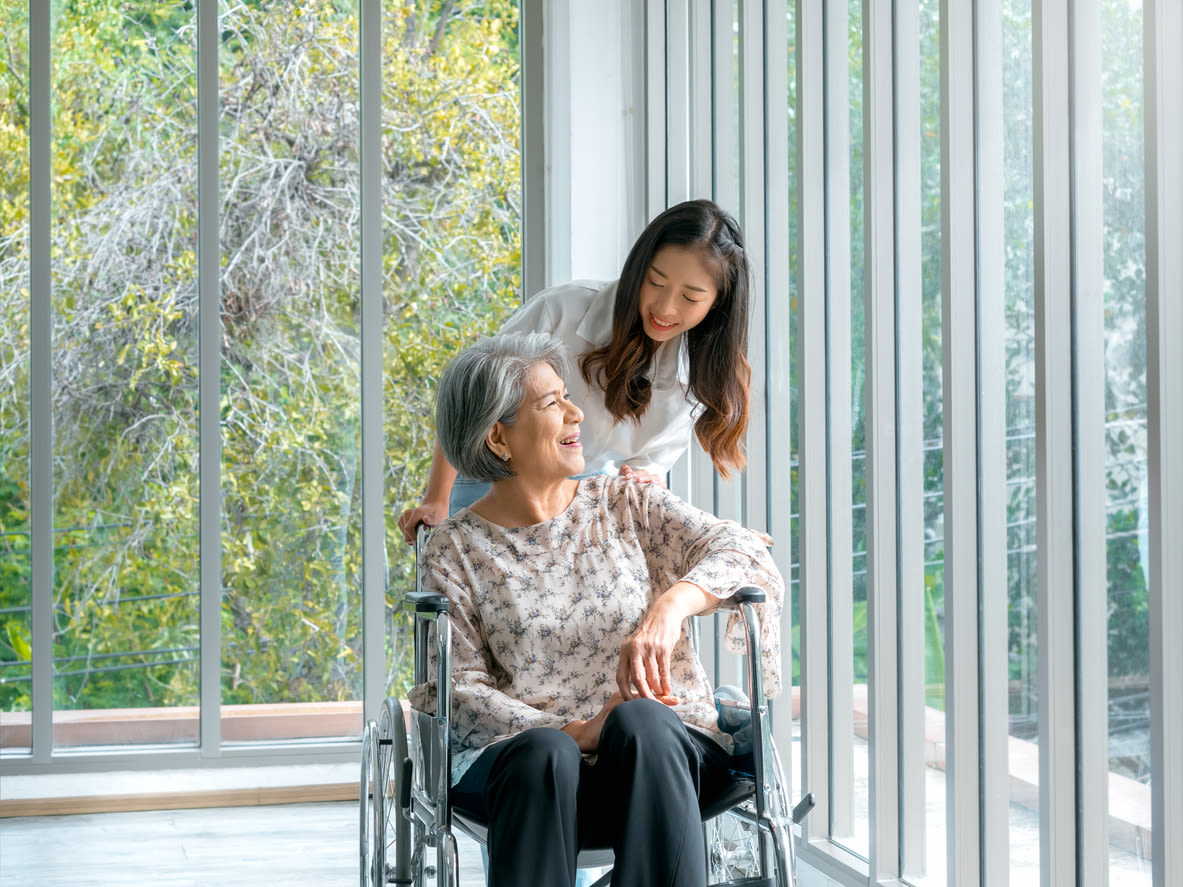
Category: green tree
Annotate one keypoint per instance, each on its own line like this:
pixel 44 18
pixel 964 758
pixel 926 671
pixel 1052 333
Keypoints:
pixel 125 321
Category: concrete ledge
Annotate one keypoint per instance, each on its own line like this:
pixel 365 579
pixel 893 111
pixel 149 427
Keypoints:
pixel 162 726
pixel 123 791
pixel 1129 800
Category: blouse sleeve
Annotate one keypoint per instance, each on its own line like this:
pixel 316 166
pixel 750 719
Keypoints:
pixel 684 543
pixel 536 315
pixel 481 713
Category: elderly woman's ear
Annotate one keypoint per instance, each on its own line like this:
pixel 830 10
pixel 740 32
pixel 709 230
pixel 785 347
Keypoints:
pixel 495 441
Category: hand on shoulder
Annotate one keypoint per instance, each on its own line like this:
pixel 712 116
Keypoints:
pixel 641 476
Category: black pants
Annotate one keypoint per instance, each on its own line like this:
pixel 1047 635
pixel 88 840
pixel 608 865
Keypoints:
pixel 543 802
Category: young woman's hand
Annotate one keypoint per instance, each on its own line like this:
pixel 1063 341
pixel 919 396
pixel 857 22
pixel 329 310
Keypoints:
pixel 427 513
pixel 641 476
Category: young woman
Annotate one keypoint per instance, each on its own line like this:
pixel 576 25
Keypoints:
pixel 661 354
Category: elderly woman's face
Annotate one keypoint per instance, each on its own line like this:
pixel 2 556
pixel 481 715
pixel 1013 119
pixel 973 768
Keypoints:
pixel 543 443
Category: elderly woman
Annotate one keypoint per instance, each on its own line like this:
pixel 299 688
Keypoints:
pixel 581 714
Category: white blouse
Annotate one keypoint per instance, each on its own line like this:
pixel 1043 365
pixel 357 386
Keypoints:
pixel 580 314
pixel 539 613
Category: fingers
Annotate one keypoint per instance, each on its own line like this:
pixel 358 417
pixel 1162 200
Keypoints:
pixel 630 677
pixel 410 519
pixel 638 475
pixel 644 669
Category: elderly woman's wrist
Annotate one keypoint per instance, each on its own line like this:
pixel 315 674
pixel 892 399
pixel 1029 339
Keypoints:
pixel 684 599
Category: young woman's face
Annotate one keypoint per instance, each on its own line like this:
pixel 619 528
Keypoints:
pixel 543 443
pixel 677 292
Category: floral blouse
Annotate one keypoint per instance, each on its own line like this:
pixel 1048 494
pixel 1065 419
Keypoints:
pixel 539 613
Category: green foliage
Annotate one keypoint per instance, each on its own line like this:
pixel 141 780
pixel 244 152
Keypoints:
pixel 125 317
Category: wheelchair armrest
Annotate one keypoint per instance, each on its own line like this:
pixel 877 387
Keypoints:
pixel 427 602
pixel 749 595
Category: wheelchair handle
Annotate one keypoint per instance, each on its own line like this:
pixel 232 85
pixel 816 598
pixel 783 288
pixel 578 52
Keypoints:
pixel 427 602
pixel 750 595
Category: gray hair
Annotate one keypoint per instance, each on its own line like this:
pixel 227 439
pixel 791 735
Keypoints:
pixel 486 384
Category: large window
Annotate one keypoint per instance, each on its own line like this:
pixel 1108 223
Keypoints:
pixel 941 392
pixel 138 204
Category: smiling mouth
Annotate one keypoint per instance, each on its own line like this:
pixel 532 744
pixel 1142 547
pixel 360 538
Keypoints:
pixel 572 441
pixel 660 324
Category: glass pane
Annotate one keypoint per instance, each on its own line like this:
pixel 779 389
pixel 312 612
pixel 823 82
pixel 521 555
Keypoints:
pixel 452 234
pixel 860 840
pixel 125 616
pixel 291 492
pixel 15 556
pixel 1125 439
pixel 1019 222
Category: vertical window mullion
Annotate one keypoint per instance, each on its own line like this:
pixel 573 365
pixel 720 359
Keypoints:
pixel 41 379
pixel 751 120
pixel 960 415
pixel 702 74
pixel 812 472
pixel 724 122
pixel 1054 457
pixel 1163 35
pixel 836 128
pixel 882 532
pixel 909 412
pixel 993 786
pixel 724 185
pixel 209 372
pixel 679 142
pixel 1088 370
pixel 372 377
pixel 655 108
pixel 535 230
pixel 776 479
pixel 678 79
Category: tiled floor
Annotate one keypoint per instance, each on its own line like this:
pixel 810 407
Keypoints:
pixel 290 844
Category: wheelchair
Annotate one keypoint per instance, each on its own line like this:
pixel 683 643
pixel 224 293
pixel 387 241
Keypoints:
pixel 408 826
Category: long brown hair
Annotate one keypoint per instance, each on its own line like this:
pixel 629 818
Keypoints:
pixel 718 346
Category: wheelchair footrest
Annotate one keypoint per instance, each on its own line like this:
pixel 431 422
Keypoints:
pixel 746 882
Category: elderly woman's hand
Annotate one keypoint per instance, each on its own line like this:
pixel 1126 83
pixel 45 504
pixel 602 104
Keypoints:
pixel 587 733
pixel 644 669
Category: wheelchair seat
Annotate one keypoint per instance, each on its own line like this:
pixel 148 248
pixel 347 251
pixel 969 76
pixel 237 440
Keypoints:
pixel 408 820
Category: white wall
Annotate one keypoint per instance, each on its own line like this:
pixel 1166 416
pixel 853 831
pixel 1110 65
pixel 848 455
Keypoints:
pixel 595 136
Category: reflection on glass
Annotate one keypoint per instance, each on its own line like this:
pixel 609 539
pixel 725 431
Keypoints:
pixel 16 643
pixel 1022 564
pixel 124 376
pixel 452 235
pixel 1125 443
pixel 290 403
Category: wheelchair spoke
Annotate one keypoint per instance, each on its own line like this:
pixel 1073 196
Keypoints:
pixel 733 848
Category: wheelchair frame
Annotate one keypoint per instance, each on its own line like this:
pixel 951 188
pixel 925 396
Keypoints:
pixel 406 777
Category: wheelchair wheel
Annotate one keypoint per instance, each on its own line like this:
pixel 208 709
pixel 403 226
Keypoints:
pixel 733 849
pixel 397 822
pixel 370 802
pixel 384 829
